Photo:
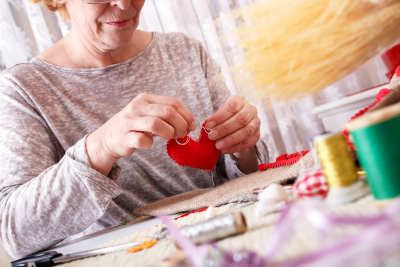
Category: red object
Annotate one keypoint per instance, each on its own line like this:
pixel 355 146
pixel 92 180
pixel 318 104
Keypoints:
pixel 200 154
pixel 283 160
pixel 381 95
pixel 186 214
pixel 392 60
pixel 311 184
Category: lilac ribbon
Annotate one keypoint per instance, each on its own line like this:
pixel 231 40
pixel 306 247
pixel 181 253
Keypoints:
pixel 314 212
pixel 373 229
pixel 183 242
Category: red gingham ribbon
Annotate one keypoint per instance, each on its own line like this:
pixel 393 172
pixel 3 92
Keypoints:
pixel 311 184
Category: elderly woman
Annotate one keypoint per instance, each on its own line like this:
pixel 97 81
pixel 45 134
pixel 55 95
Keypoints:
pixel 84 125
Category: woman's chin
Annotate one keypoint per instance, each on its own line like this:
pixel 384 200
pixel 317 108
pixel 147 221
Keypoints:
pixel 117 40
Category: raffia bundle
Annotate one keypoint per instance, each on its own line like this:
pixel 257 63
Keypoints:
pixel 296 48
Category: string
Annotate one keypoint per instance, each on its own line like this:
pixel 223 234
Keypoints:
pixel 188 137
pixel 339 167
pixel 378 148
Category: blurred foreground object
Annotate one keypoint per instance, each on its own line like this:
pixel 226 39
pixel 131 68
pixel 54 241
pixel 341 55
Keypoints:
pixel 297 48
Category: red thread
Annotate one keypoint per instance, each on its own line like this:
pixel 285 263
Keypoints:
pixel 381 95
pixel 186 214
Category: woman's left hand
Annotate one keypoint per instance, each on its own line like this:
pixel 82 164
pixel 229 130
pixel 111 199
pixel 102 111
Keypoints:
pixel 236 126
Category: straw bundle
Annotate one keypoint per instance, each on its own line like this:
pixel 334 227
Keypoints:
pixel 296 48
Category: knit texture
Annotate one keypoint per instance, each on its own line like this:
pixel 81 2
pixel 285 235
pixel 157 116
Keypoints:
pixel 48 190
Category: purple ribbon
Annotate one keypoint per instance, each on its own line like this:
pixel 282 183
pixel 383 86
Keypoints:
pixel 183 242
pixel 370 240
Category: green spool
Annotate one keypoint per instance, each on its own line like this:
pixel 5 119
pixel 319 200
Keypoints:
pixel 377 139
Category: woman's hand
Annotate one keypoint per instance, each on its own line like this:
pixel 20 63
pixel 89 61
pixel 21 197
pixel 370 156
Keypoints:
pixel 134 127
pixel 236 126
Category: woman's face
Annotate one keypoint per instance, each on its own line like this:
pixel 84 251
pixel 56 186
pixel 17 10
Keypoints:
pixel 111 24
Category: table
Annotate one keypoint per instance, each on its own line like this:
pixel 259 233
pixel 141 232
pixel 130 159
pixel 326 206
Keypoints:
pixel 255 239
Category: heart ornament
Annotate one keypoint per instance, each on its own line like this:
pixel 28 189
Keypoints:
pixel 200 154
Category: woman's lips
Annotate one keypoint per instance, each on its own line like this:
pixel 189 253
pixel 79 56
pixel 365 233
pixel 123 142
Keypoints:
pixel 119 23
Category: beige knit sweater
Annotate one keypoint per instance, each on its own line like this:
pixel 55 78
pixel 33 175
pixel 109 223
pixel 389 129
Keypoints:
pixel 49 191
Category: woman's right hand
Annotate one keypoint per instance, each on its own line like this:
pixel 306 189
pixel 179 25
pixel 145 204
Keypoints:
pixel 134 127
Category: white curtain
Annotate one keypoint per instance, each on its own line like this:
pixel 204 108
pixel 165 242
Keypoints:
pixel 26 30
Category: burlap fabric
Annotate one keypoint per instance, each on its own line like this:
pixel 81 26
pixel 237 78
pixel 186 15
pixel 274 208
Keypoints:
pixel 222 194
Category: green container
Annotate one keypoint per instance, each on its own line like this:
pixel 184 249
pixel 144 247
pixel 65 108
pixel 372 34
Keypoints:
pixel 376 136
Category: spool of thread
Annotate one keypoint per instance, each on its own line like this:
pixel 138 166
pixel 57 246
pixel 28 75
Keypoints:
pixel 216 228
pixel 339 169
pixel 377 139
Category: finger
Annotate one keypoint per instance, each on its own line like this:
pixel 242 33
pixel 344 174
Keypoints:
pixel 138 140
pixel 242 145
pixel 172 117
pixel 167 114
pixel 152 125
pixel 232 106
pixel 239 136
pixel 236 122
pixel 177 105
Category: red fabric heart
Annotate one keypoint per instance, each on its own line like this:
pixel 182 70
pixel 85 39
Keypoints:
pixel 200 154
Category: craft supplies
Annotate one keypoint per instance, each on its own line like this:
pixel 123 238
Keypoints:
pixel 287 187
pixel 244 198
pixel 188 213
pixel 283 160
pixel 221 194
pixel 272 199
pixel 374 237
pixel 216 228
pixel 310 44
pixel 200 154
pixel 311 184
pixel 339 169
pixel 380 96
pixel 376 137
pixel 144 245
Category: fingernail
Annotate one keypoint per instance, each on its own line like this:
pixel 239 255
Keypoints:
pixel 220 144
pixel 213 135
pixel 193 126
pixel 211 124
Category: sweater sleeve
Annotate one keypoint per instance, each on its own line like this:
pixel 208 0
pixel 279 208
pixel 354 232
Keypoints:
pixel 226 167
pixel 44 198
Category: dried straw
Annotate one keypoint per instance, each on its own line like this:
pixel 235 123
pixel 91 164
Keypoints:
pixel 296 48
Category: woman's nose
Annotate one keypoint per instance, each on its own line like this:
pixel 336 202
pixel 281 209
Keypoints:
pixel 122 4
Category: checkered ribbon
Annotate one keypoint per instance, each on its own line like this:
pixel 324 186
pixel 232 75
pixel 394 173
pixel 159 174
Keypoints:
pixel 311 184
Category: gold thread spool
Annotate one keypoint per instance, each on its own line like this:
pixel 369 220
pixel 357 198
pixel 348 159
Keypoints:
pixel 339 167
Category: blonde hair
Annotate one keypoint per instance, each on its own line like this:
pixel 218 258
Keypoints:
pixel 54 5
